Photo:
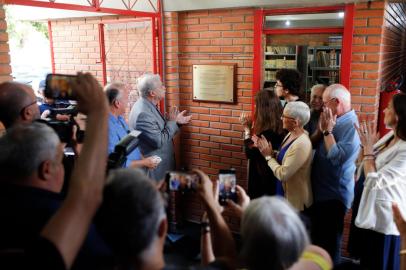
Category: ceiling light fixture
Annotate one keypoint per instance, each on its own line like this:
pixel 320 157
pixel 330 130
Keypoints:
pixel 341 15
pixel 287 23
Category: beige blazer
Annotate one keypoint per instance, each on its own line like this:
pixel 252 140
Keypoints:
pixel 294 172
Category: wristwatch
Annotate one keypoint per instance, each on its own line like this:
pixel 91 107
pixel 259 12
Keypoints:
pixel 327 132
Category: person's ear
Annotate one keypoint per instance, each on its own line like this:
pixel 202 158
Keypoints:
pixel 27 114
pixel 163 228
pixel 45 170
pixel 116 103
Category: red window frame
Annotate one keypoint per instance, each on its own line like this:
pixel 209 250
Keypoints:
pixel 347 32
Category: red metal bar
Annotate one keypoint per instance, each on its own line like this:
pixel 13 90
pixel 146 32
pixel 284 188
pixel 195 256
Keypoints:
pixel 126 20
pixel 51 44
pixel 346 53
pixel 102 52
pixel 304 10
pixel 96 4
pixel 304 30
pixel 81 8
pixel 257 62
pixel 159 34
pixel 154 32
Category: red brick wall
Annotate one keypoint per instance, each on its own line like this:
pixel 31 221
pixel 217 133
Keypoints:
pixel 5 68
pixel 365 66
pixel 213 140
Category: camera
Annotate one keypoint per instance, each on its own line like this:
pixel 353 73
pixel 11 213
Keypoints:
pixel 127 144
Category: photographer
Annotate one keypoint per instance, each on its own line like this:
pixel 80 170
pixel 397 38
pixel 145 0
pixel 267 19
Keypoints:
pixel 118 128
pixel 32 176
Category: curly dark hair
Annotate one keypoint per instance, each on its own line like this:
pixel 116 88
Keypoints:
pixel 268 111
pixel 291 80
pixel 399 101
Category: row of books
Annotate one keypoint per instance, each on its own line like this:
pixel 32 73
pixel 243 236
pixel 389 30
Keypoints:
pixel 335 40
pixel 279 63
pixel 281 49
pixel 330 59
pixel 270 75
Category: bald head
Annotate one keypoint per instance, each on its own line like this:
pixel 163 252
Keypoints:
pixel 17 104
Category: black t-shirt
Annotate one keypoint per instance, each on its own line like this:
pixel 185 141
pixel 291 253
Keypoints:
pixel 42 254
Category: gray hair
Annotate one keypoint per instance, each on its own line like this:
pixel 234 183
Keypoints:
pixel 147 83
pixel 339 92
pixel 114 91
pixel 317 86
pixel 298 110
pixel 24 147
pixel 273 235
pixel 130 214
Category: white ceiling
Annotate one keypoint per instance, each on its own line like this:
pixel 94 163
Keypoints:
pixel 36 13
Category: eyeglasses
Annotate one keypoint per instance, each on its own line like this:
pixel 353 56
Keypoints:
pixel 278 85
pixel 327 102
pixel 287 117
pixel 26 106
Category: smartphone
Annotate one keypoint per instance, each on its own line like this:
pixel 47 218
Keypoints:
pixel 182 181
pixel 58 86
pixel 227 183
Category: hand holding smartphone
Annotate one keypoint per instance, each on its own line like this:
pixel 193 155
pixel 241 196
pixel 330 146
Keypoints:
pixel 182 181
pixel 58 86
pixel 227 182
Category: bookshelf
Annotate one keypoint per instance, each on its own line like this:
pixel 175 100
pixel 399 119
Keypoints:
pixel 275 58
pixel 324 64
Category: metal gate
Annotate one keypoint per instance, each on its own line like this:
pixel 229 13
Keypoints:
pixel 130 51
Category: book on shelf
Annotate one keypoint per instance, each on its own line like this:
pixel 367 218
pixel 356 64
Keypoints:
pixel 281 49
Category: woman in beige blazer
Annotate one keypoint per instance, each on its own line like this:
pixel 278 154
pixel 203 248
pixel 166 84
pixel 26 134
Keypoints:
pixel 291 163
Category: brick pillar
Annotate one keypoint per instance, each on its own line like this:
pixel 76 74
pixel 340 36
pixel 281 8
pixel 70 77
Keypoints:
pixel 366 58
pixel 5 68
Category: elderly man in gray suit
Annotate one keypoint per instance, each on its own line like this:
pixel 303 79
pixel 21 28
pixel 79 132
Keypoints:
pixel 157 132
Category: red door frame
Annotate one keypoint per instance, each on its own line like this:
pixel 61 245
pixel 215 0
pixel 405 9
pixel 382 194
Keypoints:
pixel 347 31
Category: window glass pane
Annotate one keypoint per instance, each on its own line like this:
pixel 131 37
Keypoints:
pixel 333 19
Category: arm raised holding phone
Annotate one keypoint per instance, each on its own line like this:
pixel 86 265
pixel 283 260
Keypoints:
pixel 67 229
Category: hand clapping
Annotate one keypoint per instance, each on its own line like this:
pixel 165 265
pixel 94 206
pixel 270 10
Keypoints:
pixel 327 120
pixel 264 146
pixel 368 136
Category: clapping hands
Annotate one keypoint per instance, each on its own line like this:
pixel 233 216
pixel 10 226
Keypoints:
pixel 327 120
pixel 180 117
pixel 264 146
pixel 368 136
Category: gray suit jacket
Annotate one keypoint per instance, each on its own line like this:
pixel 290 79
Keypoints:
pixel 156 136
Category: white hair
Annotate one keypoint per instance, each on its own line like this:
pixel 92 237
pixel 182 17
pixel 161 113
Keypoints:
pixel 339 92
pixel 298 110
pixel 273 235
pixel 24 147
pixel 147 83
pixel 317 86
